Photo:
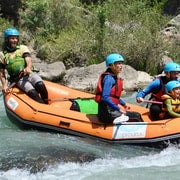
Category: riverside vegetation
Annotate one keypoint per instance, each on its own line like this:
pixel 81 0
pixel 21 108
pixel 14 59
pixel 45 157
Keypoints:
pixel 76 30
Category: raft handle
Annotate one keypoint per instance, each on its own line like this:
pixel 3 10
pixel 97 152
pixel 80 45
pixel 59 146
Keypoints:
pixel 63 123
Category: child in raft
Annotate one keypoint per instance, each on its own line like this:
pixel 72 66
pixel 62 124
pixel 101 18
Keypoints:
pixel 171 100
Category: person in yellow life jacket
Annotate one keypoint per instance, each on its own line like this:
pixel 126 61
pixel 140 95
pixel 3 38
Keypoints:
pixel 16 59
pixel 171 100
pixel 108 93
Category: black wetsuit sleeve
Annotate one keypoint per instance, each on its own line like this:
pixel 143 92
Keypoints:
pixel 26 54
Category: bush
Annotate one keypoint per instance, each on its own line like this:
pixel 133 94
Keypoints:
pixel 92 31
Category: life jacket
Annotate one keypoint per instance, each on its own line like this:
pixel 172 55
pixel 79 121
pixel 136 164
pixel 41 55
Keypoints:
pixel 116 89
pixel 158 94
pixel 16 64
pixel 175 103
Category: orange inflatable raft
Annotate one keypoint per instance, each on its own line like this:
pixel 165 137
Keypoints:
pixel 57 116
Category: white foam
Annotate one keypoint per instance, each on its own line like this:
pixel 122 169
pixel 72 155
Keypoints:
pixel 155 165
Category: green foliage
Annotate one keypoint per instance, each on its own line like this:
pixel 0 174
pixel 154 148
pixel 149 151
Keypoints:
pixel 47 17
pixel 158 4
pixel 130 27
pixel 136 34
pixel 37 17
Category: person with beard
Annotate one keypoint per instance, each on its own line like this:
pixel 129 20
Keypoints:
pixel 108 93
pixel 16 59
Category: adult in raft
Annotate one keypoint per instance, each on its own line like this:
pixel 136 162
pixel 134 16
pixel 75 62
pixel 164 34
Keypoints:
pixel 157 88
pixel 16 59
pixel 108 93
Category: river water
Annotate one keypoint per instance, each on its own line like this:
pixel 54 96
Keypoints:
pixel 35 155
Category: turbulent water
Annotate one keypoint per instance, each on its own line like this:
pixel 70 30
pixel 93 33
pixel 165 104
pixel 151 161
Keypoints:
pixel 35 155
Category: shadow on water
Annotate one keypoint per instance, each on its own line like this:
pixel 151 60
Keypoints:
pixel 36 151
pixel 38 161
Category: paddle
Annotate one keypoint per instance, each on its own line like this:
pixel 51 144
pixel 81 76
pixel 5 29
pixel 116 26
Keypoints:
pixel 154 102
pixel 67 99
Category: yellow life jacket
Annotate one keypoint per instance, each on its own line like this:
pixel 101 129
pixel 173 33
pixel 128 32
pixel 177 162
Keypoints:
pixel 174 102
pixel 16 64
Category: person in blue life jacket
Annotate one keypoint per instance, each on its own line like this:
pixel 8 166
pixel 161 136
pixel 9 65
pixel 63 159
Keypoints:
pixel 157 88
pixel 16 59
pixel 108 93
pixel 171 100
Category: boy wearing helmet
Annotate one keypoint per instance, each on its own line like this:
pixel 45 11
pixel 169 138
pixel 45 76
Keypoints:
pixel 171 100
pixel 108 93
pixel 16 59
pixel 157 88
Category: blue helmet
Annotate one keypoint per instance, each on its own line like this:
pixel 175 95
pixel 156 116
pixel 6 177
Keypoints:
pixel 171 66
pixel 11 32
pixel 171 85
pixel 112 58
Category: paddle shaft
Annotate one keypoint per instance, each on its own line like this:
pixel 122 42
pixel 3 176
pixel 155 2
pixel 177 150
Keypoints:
pixel 67 99
pixel 154 102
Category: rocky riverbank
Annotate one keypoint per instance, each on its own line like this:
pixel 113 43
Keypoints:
pixel 85 78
